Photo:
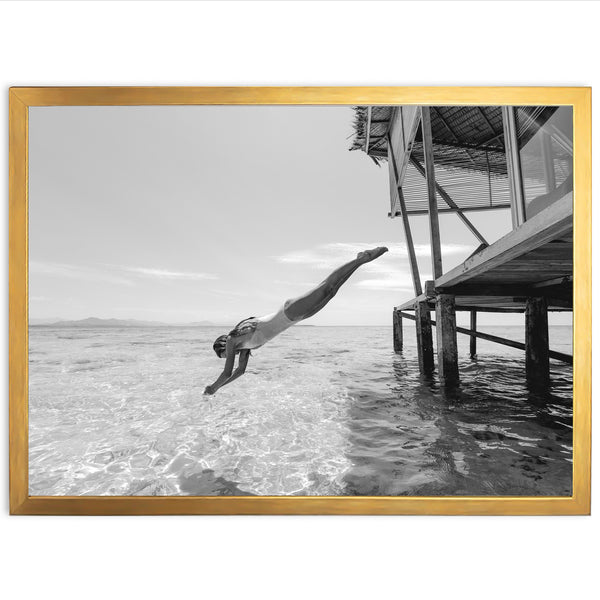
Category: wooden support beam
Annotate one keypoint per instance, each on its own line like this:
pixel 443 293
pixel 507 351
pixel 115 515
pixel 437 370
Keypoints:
pixel 473 340
pixel 490 309
pixel 537 350
pixel 410 246
pixel 429 289
pixel 480 307
pixel 450 202
pixel 567 280
pixel 398 333
pixel 505 290
pixel 410 304
pixel 453 210
pixel 424 337
pixel 566 358
pixel 478 249
pixel 434 223
pixel 513 163
pixel 552 223
pixel 447 351
pixel 479 303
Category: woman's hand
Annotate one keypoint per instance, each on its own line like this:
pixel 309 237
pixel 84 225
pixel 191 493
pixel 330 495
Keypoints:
pixel 209 390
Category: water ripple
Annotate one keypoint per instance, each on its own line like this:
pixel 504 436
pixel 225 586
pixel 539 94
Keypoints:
pixel 122 412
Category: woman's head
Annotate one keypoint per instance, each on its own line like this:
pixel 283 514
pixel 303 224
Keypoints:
pixel 220 346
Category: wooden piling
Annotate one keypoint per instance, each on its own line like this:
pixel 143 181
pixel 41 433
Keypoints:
pixel 424 337
pixel 398 333
pixel 566 358
pixel 537 349
pixel 473 340
pixel 446 339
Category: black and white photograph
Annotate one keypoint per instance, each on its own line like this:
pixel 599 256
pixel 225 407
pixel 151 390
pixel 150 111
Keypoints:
pixel 301 300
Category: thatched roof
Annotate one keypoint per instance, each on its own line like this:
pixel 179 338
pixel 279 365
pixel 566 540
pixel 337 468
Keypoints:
pixel 469 154
pixel 379 123
pixel 455 130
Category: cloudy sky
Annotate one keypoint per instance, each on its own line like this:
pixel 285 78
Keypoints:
pixel 197 213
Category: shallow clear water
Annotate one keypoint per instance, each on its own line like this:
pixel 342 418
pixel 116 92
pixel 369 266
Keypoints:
pixel 320 411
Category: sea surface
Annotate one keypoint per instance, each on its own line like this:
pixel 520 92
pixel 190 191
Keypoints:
pixel 320 411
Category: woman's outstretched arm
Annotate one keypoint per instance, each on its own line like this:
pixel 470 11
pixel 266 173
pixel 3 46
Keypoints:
pixel 241 368
pixel 228 374
pixel 227 370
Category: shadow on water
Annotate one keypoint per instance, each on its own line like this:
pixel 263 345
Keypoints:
pixel 493 434
pixel 206 484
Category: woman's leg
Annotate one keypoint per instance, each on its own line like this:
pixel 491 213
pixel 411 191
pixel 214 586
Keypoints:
pixel 312 302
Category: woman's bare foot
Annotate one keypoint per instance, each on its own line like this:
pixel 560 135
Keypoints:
pixel 369 255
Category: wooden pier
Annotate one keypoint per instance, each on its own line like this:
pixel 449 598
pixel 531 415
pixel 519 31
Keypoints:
pixel 460 159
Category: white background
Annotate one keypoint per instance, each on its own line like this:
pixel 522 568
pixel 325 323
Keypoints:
pixel 319 43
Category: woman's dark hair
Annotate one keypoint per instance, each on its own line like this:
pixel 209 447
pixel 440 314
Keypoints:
pixel 220 343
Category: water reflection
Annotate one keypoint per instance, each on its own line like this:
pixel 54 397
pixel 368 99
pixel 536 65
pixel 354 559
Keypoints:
pixel 490 435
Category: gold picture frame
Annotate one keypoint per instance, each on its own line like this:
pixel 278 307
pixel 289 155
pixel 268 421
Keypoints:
pixel 21 98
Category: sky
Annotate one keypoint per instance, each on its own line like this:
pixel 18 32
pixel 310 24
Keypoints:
pixel 217 213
